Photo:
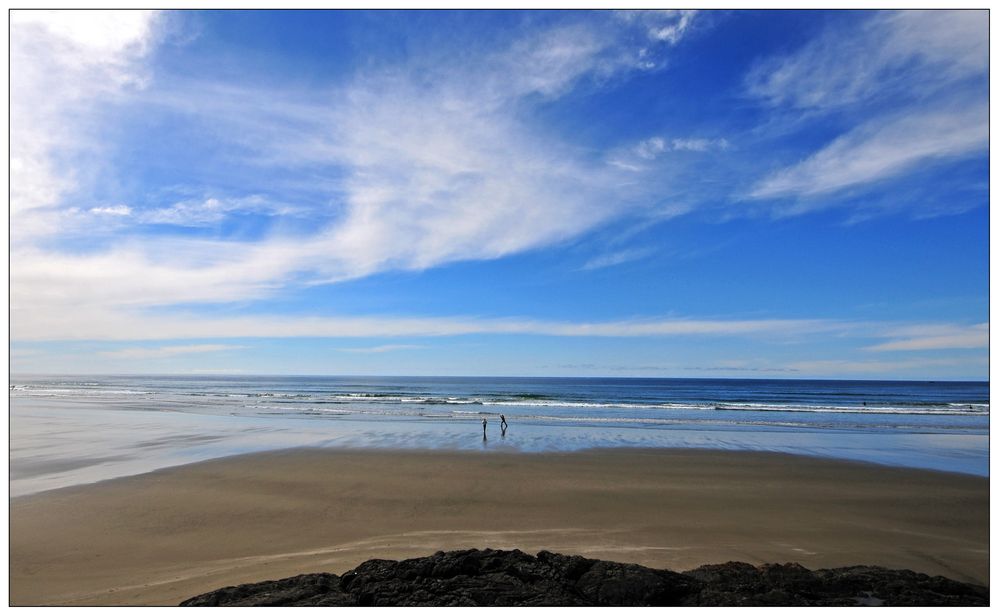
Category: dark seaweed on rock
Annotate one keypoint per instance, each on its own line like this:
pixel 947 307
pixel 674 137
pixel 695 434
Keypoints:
pixel 512 578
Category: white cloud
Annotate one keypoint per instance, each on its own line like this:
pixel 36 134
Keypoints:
pixel 882 149
pixel 617 258
pixel 699 145
pixel 897 53
pixel 636 157
pixel 918 82
pixel 201 212
pixel 89 37
pixel 667 25
pixel 166 351
pixel 673 32
pixel 49 285
pixel 439 166
pixel 61 64
pixel 652 147
pixel 449 170
pixel 437 170
pixel 924 338
pixel 545 64
pixel 187 213
pixel 112 210
pixel 101 324
pixel 550 61
pixel 431 182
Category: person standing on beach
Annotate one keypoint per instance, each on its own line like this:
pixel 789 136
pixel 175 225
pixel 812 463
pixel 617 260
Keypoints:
pixel 484 422
pixel 503 423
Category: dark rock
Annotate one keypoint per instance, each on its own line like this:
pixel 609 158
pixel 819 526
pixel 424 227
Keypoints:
pixel 308 589
pixel 513 578
pixel 791 584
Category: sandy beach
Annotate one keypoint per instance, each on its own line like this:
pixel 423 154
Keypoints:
pixel 161 537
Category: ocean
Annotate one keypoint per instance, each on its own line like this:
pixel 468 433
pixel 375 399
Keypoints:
pixel 70 430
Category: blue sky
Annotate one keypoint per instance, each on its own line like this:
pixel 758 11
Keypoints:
pixel 770 194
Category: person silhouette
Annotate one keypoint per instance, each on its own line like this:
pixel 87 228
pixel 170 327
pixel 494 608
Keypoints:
pixel 484 422
pixel 503 424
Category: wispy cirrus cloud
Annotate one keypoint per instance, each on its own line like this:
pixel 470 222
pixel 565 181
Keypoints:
pixel 99 324
pixel 111 210
pixel 413 166
pixel 638 156
pixel 210 210
pixel 932 337
pixel 436 166
pixel 133 325
pixel 654 146
pixel 617 258
pixel 903 54
pixel 166 351
pixel 882 149
pixel 912 86
pixel 445 168
pixel 62 65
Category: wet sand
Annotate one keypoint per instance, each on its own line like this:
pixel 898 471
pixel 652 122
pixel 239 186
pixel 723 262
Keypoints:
pixel 159 538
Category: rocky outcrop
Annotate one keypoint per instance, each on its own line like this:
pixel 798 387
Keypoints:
pixel 513 578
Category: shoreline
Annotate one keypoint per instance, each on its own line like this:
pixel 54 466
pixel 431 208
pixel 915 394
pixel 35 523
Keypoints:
pixel 22 485
pixel 161 537
pixel 498 451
